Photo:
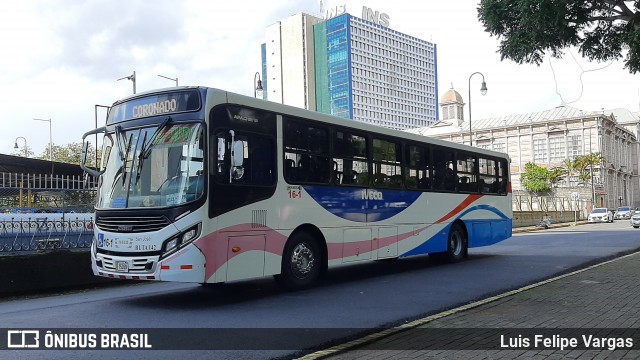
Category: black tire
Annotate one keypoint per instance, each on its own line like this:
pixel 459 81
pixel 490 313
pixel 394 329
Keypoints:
pixel 458 244
pixel 301 262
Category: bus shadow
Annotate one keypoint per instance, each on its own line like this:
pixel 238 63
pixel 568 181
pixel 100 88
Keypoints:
pixel 233 293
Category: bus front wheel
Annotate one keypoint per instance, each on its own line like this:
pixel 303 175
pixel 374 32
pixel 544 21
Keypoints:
pixel 300 262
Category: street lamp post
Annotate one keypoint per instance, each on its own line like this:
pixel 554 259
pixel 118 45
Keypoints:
pixel 50 138
pixel 25 145
pixel 168 78
pixel 50 143
pixel 483 91
pixel 620 199
pixel 257 85
pixel 132 78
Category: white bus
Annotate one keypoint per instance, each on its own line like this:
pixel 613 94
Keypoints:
pixel 206 186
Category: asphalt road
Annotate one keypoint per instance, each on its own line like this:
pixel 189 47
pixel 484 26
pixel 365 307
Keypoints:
pixel 358 298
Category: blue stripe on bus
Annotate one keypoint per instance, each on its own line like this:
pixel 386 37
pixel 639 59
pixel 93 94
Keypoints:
pixel 481 232
pixel 360 204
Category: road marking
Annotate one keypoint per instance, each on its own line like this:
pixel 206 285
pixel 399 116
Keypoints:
pixel 381 334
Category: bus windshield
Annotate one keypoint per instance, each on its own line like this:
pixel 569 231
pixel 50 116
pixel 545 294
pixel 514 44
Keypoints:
pixel 157 166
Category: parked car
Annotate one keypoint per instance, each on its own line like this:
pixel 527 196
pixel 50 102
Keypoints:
pixel 635 220
pixel 623 212
pixel 600 215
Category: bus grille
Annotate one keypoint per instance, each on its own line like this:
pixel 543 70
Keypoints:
pixel 131 225
pixel 139 265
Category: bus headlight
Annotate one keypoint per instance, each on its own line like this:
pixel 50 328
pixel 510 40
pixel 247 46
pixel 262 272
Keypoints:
pixel 171 245
pixel 180 240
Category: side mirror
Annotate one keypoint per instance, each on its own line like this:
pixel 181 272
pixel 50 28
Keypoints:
pixel 85 152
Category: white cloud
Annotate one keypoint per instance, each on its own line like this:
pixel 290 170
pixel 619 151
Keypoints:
pixel 62 57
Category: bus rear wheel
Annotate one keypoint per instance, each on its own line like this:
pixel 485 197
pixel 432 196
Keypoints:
pixel 457 245
pixel 301 265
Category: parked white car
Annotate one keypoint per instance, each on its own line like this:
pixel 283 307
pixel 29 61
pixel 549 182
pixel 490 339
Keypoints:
pixel 623 212
pixel 635 220
pixel 600 215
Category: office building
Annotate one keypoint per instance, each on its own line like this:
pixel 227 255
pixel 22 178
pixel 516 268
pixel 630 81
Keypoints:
pixel 352 68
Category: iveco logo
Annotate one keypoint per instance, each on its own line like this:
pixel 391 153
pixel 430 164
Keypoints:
pixel 125 227
pixel 369 194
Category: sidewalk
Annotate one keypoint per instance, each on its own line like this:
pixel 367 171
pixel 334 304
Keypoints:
pixel 553 226
pixel 602 300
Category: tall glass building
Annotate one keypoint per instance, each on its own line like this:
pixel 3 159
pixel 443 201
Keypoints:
pixel 361 71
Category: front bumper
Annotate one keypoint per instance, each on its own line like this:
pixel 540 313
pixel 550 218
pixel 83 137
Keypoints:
pixel 186 265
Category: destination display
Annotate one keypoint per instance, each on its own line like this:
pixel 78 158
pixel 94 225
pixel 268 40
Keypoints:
pixel 154 105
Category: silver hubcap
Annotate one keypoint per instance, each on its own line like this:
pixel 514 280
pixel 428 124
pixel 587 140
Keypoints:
pixel 302 260
pixel 455 243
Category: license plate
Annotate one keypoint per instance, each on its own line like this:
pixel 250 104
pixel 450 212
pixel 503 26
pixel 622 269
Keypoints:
pixel 122 266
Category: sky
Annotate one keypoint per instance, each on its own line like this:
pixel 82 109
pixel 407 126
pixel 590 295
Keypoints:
pixel 60 58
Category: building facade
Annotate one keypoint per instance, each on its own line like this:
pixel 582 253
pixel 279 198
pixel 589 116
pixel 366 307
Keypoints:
pixel 352 68
pixel 288 70
pixel 549 137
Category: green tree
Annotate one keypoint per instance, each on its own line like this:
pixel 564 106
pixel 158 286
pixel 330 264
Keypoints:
pixel 584 165
pixel 536 179
pixel 602 30
pixel 70 154
pixel 556 175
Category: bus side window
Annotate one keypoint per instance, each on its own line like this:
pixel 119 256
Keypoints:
pixel 307 145
pixel 350 153
pixel 387 164
pixel 444 177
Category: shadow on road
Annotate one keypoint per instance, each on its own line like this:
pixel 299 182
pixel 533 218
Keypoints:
pixel 224 294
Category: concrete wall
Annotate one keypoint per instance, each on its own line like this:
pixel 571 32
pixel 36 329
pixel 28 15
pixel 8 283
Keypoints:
pixel 532 218
pixel 35 273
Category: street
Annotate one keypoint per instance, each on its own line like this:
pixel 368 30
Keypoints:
pixel 359 298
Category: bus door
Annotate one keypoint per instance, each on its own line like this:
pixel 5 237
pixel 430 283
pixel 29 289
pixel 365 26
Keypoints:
pixel 243 165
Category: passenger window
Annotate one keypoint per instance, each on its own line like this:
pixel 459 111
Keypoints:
pixel 387 160
pixel 488 176
pixel 444 175
pixel 418 172
pixel 466 171
pixel 306 153
pixel 350 163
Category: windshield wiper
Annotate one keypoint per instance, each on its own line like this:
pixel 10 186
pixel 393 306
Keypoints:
pixel 119 142
pixel 124 161
pixel 145 149
pixel 140 158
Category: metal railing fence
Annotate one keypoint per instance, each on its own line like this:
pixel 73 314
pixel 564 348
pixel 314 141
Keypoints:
pixel 45 212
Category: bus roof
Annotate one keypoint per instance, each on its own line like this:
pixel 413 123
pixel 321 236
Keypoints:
pixel 219 95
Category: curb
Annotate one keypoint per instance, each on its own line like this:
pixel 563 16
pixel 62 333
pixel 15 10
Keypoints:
pixel 553 226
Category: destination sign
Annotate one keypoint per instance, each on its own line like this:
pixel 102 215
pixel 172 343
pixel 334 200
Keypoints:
pixel 154 105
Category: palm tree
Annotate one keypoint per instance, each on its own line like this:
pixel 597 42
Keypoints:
pixel 570 169
pixel 584 165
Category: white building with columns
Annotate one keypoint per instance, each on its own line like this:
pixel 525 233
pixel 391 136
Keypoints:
pixel 548 137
